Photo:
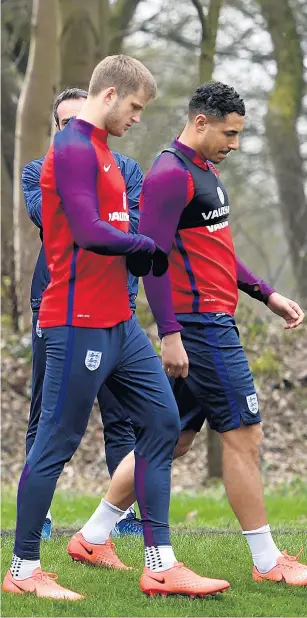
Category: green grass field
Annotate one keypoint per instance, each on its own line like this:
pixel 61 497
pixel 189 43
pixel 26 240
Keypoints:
pixel 218 555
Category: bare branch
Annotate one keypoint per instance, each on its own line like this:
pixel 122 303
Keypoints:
pixel 257 246
pixel 208 40
pixel 121 14
pixel 242 6
pixel 22 51
pixel 280 268
pixel 137 27
pixel 171 36
pixel 200 11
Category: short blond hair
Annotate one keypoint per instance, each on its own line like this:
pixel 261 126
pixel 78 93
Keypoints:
pixel 124 73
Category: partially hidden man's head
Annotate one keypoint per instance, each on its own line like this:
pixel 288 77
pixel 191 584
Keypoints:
pixel 121 87
pixel 216 113
pixel 68 105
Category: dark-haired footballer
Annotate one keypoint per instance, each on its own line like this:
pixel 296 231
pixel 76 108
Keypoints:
pixel 185 209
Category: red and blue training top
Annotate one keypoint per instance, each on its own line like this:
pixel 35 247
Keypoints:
pixel 86 222
pixel 185 208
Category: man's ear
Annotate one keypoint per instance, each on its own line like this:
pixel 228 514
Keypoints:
pixel 110 94
pixel 201 122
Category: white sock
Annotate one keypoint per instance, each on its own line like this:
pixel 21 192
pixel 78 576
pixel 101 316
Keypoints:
pixel 22 569
pixel 127 512
pixel 48 516
pixel 159 558
pixel 97 529
pixel 263 549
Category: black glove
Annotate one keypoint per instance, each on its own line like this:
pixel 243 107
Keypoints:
pixel 159 262
pixel 139 263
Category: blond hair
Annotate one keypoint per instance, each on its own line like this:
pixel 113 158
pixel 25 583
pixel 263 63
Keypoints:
pixel 124 73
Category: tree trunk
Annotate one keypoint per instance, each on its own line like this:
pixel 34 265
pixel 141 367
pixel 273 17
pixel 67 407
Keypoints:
pixel 32 131
pixel 122 12
pixel 104 30
pixel 215 468
pixel 9 95
pixel 284 108
pixel 209 28
pixel 83 39
pixel 89 31
pixel 9 305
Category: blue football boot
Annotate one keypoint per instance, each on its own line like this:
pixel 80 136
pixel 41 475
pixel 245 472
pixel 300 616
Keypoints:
pixel 130 525
pixel 47 529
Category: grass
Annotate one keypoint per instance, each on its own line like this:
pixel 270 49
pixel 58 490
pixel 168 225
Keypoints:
pixel 210 510
pixel 117 594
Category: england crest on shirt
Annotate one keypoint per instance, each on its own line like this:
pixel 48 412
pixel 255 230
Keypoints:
pixel 252 402
pixel 93 359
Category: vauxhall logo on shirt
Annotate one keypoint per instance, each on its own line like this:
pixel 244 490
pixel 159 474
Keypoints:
pixel 120 216
pixel 217 213
pixel 209 206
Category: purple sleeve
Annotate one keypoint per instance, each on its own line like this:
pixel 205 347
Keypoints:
pixel 76 172
pixel 252 285
pixel 164 197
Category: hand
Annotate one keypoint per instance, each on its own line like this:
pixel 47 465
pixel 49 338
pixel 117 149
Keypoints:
pixel 174 357
pixel 159 262
pixel 139 263
pixel 287 309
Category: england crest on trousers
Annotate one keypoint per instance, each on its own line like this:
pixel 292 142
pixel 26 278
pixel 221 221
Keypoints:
pixel 38 329
pixel 93 359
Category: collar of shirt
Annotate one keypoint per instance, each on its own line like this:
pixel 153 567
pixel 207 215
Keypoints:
pixel 83 125
pixel 194 156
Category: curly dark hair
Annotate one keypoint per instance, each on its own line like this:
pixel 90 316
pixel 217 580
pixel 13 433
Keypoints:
pixel 68 93
pixel 216 99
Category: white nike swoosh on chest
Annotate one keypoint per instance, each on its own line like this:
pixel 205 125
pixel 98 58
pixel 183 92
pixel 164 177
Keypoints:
pixel 106 167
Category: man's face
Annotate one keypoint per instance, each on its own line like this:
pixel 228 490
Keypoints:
pixel 217 137
pixel 68 109
pixel 124 112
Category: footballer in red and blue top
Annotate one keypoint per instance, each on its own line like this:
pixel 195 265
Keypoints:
pixel 77 294
pixel 185 209
pixel 119 437
pixel 91 335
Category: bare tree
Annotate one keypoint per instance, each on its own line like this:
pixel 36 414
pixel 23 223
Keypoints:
pixel 89 31
pixel 284 109
pixel 14 51
pixel 121 14
pixel 32 131
pixel 10 307
pixel 209 26
pixel 82 39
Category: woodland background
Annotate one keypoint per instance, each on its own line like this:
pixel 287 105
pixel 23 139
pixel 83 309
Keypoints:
pixel 259 47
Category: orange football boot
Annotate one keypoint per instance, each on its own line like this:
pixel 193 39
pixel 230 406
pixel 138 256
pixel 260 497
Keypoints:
pixel 41 584
pixel 99 555
pixel 287 570
pixel 180 580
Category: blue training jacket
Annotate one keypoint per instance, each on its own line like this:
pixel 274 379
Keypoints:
pixel 133 177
